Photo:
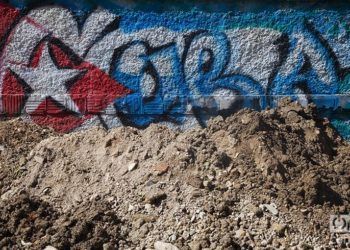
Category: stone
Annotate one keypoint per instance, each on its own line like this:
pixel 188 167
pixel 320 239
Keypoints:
pixel 54 248
pixel 195 181
pixel 144 230
pixel 276 244
pixel 131 208
pixel 293 117
pixel 226 241
pixel 132 166
pixel 195 245
pixel 138 223
pixel 160 245
pixel 172 238
pixel 39 159
pixel 155 198
pixel 258 212
pixel 148 207
pixel 108 246
pixel 145 217
pixel 185 235
pixel 240 233
pixel 26 244
pixel 22 161
pixel 304 211
pixel 208 184
pixel 279 229
pixel 245 119
pixel 161 168
pixel 272 208
pixel 345 187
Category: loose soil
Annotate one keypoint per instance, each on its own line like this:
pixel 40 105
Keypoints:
pixel 267 179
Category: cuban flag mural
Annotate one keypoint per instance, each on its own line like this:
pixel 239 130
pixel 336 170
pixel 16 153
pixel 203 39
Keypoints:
pixel 70 67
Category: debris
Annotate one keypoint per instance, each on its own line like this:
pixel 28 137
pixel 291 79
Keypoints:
pixel 195 245
pixel 279 229
pixel 272 208
pixel 39 159
pixel 195 181
pixel 159 245
pixel 155 198
pixel 90 202
pixel 144 217
pixel 26 244
pixel 50 248
pixel 258 212
pixel 245 119
pixel 240 233
pixel 132 166
pixel 161 168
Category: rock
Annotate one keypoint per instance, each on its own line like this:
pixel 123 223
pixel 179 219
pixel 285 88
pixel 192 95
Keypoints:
pixel 155 198
pixel 195 181
pixel 26 244
pixel 172 238
pixel 272 208
pixel 258 212
pixel 223 208
pixel 108 246
pixel 208 184
pixel 185 235
pixel 195 245
pixel 22 161
pixel 54 248
pixel 304 211
pixel 131 208
pixel 148 207
pixel 226 241
pixel 305 246
pixel 240 233
pixel 143 231
pixel 276 244
pixel 279 229
pixel 293 117
pixel 138 223
pixel 159 245
pixel 132 166
pixel 161 168
pixel 145 217
pixel 345 187
pixel 39 159
pixel 245 119
pixel 263 243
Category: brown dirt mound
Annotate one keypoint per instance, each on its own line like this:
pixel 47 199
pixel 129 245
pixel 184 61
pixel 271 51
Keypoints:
pixel 30 222
pixel 254 179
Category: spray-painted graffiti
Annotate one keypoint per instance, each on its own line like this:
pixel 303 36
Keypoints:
pixel 71 70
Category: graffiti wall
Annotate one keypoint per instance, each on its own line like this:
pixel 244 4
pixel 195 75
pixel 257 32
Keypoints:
pixel 74 67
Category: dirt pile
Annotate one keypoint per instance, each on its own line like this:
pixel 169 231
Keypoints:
pixel 253 179
pixel 17 139
pixel 32 223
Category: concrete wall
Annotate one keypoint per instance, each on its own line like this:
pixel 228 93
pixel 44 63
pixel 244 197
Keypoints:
pixel 73 66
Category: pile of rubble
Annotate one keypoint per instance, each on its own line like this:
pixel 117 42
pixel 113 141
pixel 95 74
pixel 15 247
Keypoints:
pixel 253 179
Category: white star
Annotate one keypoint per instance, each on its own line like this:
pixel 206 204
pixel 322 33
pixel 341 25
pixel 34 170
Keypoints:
pixel 47 80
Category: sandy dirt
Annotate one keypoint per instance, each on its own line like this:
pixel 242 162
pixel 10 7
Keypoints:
pixel 267 179
pixel 17 139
